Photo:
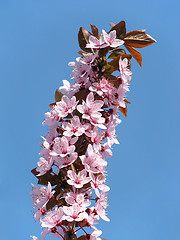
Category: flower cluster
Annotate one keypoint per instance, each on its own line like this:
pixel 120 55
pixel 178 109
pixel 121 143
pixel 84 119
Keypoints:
pixel 82 121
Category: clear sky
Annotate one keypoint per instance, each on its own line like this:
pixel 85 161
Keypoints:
pixel 37 40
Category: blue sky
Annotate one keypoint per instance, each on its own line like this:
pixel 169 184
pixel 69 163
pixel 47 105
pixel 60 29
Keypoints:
pixel 37 40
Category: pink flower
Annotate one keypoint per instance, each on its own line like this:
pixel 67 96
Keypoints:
pixel 66 106
pixel 61 147
pixel 121 94
pixel 98 121
pixel 77 180
pixel 69 89
pixel 67 160
pixel 124 69
pixel 93 162
pixel 100 210
pixel 110 39
pixel 74 213
pixel 35 238
pixel 44 165
pixel 90 108
pixel 94 235
pixel 98 183
pixel 53 218
pixel 96 138
pixel 110 134
pixel 72 198
pixel 88 58
pixel 51 118
pixel 96 43
pixel 106 151
pixel 41 195
pixel 100 87
pixel 74 128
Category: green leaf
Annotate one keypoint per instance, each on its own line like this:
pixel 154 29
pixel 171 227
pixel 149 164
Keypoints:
pixel 58 95
pixel 108 69
pixel 115 61
pixel 116 53
pixel 83 39
pixel 120 29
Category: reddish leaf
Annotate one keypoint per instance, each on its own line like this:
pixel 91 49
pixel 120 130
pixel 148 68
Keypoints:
pixel 135 54
pixel 112 24
pixel 83 38
pixel 80 52
pixel 103 52
pixel 123 110
pixel 120 29
pixel 51 204
pixel 126 101
pixel 44 179
pixel 58 95
pixel 69 236
pixel 95 30
pixel 138 39
pixel 116 81
pixel 51 105
pixel 83 237
pixel 82 94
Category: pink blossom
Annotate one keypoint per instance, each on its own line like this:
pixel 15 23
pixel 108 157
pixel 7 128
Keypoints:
pixel 88 58
pixel 90 108
pixel 101 212
pixel 39 214
pixel 100 87
pixel 74 213
pixel 44 165
pixel 96 138
pixel 97 120
pixel 41 195
pixel 51 118
pixel 94 235
pixel 121 94
pixel 124 69
pixel 74 128
pixel 77 180
pixel 97 182
pixel 61 147
pixel 96 43
pixel 69 89
pixel 79 198
pixel 35 238
pixel 110 39
pixel 53 218
pixel 81 70
pixel 93 162
pixel 67 160
pixel 110 134
pixel 106 151
pixel 66 106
